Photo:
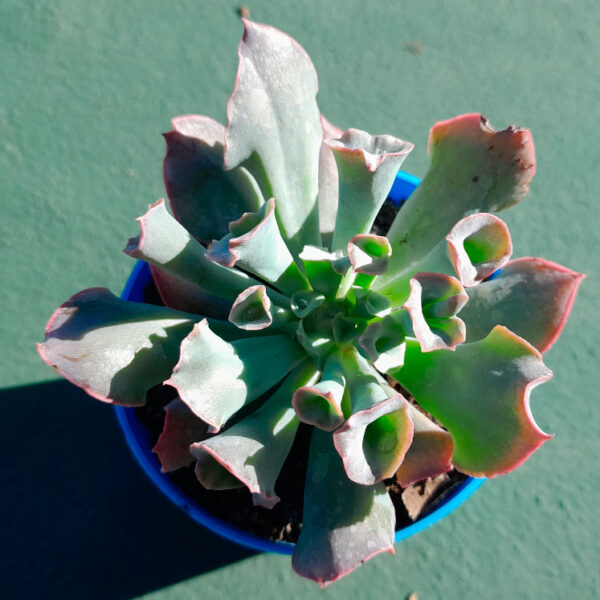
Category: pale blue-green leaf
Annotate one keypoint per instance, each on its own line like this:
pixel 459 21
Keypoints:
pixel 113 349
pixel 473 169
pixel 216 378
pixel 367 165
pixel 255 244
pixel 480 394
pixel 166 244
pixel 273 113
pixel 254 449
pixel 204 197
pixel 344 524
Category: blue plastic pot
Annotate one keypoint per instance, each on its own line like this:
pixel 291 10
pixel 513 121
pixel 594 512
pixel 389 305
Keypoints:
pixel 138 438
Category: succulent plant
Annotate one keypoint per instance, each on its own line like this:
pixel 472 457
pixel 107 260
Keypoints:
pixel 283 307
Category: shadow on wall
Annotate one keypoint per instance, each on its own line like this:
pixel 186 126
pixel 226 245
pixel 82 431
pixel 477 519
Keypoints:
pixel 79 519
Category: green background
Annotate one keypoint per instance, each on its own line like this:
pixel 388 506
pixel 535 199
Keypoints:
pixel 87 88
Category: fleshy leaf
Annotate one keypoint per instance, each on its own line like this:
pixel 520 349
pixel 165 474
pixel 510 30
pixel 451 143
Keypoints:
pixel 478 245
pixel 320 404
pixel 166 244
pixel 255 244
pixel 273 112
pixel 303 302
pixel 216 378
pixel 344 524
pixel 325 270
pixel 531 296
pixel 367 165
pixel 369 303
pixel 369 254
pixel 376 436
pixel 474 248
pixel 430 453
pixel 188 297
pixel 317 344
pixel 383 341
pixel 480 393
pixel 474 169
pixel 182 428
pixel 204 197
pixel 213 475
pixel 328 183
pixel 113 349
pixel 252 310
pixel 255 449
pixel 434 301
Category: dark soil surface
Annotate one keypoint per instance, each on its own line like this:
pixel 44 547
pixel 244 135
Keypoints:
pixel 284 521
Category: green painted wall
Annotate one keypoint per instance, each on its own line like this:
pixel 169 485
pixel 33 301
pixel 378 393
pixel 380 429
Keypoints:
pixel 87 88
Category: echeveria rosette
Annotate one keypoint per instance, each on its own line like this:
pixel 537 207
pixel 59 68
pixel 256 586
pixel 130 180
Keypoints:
pixel 282 307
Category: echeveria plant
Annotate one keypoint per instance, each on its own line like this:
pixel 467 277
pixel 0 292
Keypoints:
pixel 274 286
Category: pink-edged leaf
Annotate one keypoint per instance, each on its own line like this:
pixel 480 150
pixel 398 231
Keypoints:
pixel 375 437
pixel 213 475
pixel 186 296
pixel 478 245
pixel 216 378
pixel 432 305
pixel 369 254
pixel 254 243
pixel 182 428
pixel 367 165
pixel 430 453
pixel 473 169
pixel 273 112
pixel 252 309
pixel 531 296
pixel 320 404
pixel 343 524
pixel 204 197
pixel 328 182
pixel 383 341
pixel 254 449
pixel 480 393
pixel 165 243
pixel 325 270
pixel 474 248
pixel 113 349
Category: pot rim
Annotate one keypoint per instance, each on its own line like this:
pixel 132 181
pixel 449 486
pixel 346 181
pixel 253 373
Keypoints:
pixel 137 438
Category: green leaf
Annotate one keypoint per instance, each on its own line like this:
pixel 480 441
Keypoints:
pixel 320 404
pixel 531 296
pixel 325 270
pixel 383 341
pixel 432 305
pixel 216 378
pixel 344 524
pixel 204 197
pixel 273 112
pixel 480 393
pixel 255 244
pixel 375 437
pixel 166 244
pixel 328 183
pixel 252 311
pixel 369 254
pixel 113 349
pixel 473 169
pixel 474 248
pixel 255 448
pixel 367 166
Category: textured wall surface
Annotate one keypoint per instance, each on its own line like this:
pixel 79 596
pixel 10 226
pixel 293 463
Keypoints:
pixel 88 87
